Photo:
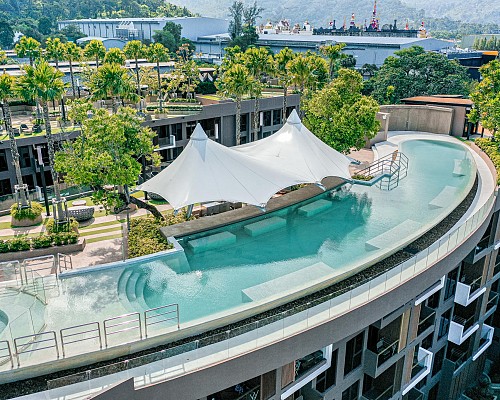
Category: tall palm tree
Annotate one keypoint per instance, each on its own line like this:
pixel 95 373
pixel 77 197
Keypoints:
pixel 236 82
pixel 95 50
pixel 281 61
pixel 7 92
pixel 72 53
pixel 28 47
pixel 115 56
pixel 258 62
pixel 135 49
pixel 112 81
pixel 158 53
pixel 54 50
pixel 44 83
pixel 333 52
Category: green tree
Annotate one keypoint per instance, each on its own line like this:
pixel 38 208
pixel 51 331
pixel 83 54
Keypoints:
pixel 235 83
pixel 28 47
pixel 6 93
pixel 333 52
pixel 486 98
pixel 107 154
pixel 158 53
pixel 44 83
pixel 281 60
pixel 242 24
pixel 54 50
pixel 259 63
pixel 72 53
pixel 135 50
pixel 6 35
pixel 169 36
pixel 72 33
pixel 95 50
pixel 340 115
pixel 112 81
pixel 415 72
pixel 115 56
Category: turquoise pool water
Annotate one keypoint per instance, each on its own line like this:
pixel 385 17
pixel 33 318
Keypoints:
pixel 211 281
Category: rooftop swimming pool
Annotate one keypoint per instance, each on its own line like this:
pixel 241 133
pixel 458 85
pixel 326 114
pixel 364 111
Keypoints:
pixel 252 262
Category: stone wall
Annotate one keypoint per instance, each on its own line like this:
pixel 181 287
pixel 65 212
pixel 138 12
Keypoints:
pixel 419 118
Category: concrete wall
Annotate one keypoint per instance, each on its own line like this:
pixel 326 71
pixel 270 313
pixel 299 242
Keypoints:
pixel 381 135
pixel 419 118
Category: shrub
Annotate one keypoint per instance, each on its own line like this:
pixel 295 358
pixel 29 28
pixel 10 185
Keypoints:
pixel 491 149
pixel 41 242
pixel 52 227
pixel 4 246
pixel 19 244
pixel 206 88
pixel 31 213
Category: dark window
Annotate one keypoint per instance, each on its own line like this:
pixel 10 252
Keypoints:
pixel 24 157
pixel 190 128
pixel 327 378
pixel 353 353
pixel 176 130
pixel 289 111
pixel 427 342
pixel 451 284
pixel 433 301
pixel 304 364
pixel 444 324
pixel 267 118
pixel 438 361
pixel 351 393
pixel 208 126
pixel 277 117
pixel 244 123
pixel 5 187
pixel 433 392
pixel 4 166
pixel 161 131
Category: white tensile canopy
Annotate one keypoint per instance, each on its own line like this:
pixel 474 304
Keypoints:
pixel 252 173
pixel 208 171
pixel 295 149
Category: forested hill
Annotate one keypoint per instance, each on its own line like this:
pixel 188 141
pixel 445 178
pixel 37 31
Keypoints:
pixel 319 12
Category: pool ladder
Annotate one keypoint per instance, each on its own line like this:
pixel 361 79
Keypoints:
pixel 386 172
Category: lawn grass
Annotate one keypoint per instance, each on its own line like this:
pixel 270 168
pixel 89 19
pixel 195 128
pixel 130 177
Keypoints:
pixel 102 238
pixel 106 230
pixel 101 224
pixel 88 199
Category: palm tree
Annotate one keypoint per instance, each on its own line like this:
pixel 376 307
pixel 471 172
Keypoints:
pixel 135 49
pixel 95 50
pixel 7 92
pixel 54 50
pixel 258 62
pixel 72 53
pixel 236 82
pixel 334 54
pixel 28 47
pixel 158 53
pixel 115 56
pixel 44 83
pixel 112 81
pixel 281 60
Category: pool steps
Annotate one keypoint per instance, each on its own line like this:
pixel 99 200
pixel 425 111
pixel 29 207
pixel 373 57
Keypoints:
pixel 289 282
pixel 314 208
pixel 264 226
pixel 444 198
pixel 461 167
pixel 393 235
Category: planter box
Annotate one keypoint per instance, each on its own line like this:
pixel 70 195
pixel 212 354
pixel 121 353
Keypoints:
pixel 25 222
pixel 22 255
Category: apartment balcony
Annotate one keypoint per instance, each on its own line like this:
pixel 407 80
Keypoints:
pixel 427 319
pixel 420 369
pixel 166 143
pixel 485 341
pixel 414 394
pixel 468 290
pixel 378 394
pixel 492 303
pixel 462 328
pixel 458 357
pixel 384 350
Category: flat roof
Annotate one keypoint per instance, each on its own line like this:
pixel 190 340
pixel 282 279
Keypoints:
pixel 439 100
pixel 111 20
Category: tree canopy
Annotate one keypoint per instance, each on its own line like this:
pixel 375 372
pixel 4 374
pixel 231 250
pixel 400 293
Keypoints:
pixel 340 115
pixel 486 97
pixel 415 72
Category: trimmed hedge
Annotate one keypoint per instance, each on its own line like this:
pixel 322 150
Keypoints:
pixel 38 242
pixel 145 237
pixel 51 226
pixel 492 150
pixel 30 213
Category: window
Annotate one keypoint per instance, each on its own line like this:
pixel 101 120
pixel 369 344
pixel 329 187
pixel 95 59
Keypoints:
pixel 327 378
pixel 277 117
pixel 351 393
pixel 190 128
pixel 4 166
pixel 438 361
pixel 24 157
pixel 5 187
pixel 427 342
pixel 451 284
pixel 433 392
pixel 244 122
pixel 433 301
pixel 353 353
pixel 176 130
pixel 267 118
pixel 444 324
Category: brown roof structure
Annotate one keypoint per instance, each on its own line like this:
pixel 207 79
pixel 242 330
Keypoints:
pixel 441 100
